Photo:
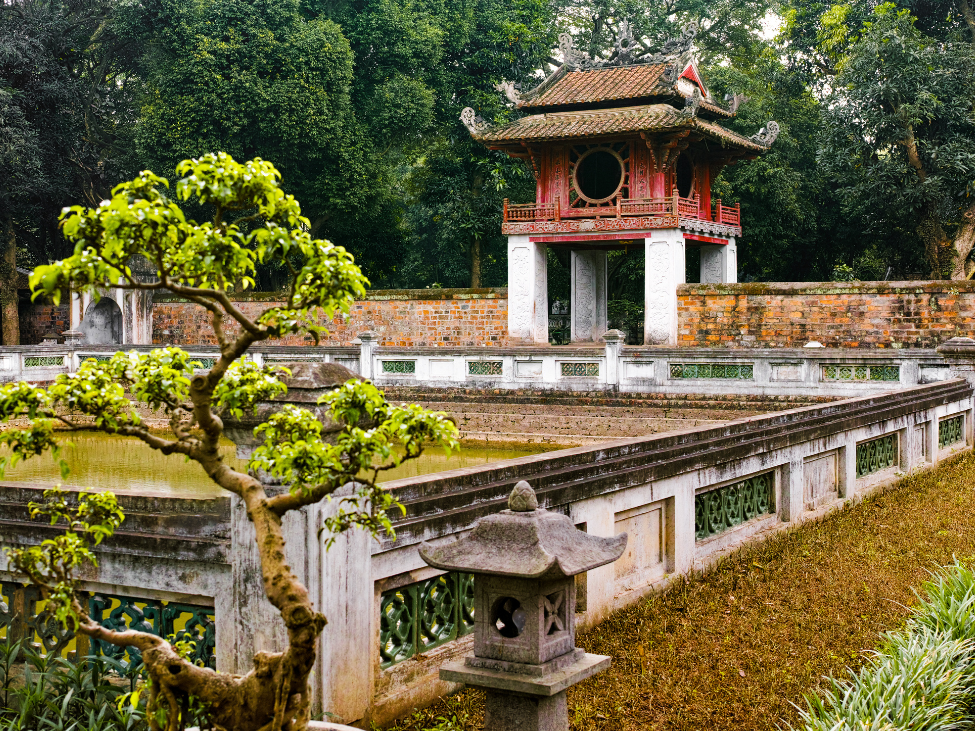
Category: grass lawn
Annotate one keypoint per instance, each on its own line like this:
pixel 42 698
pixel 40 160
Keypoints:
pixel 737 647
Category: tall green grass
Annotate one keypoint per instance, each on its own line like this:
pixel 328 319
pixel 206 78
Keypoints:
pixel 922 678
pixel 50 693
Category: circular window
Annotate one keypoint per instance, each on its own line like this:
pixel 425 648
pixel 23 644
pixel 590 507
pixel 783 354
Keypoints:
pixel 508 616
pixel 598 175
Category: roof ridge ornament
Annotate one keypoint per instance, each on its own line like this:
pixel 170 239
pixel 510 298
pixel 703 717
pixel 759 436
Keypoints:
pixel 692 104
pixel 734 101
pixel 626 50
pixel 475 124
pixel 511 90
pixel 573 57
pixel 766 135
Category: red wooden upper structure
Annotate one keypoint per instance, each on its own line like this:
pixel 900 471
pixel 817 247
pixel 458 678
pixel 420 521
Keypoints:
pixel 630 143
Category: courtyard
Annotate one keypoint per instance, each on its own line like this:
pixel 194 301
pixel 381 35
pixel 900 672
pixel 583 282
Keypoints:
pixel 739 645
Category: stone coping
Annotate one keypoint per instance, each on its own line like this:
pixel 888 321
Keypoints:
pixel 447 502
pixel 586 666
pixel 188 528
pixel 374 295
pixel 951 286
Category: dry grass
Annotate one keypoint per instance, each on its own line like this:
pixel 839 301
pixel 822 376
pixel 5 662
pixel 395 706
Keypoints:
pixel 734 649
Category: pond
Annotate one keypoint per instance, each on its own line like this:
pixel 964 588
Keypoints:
pixel 125 463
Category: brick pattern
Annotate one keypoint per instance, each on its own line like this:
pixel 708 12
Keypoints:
pixel 407 318
pixel 38 319
pixel 836 314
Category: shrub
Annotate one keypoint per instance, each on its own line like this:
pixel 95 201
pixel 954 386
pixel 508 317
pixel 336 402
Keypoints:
pixel 922 678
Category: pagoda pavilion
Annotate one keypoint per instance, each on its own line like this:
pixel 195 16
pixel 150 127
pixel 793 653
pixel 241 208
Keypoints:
pixel 624 150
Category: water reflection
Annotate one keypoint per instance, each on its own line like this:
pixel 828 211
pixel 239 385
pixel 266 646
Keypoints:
pixel 124 463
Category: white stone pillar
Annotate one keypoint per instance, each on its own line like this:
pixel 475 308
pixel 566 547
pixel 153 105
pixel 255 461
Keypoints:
pixel 719 264
pixel 77 310
pixel 731 262
pixel 527 291
pixel 614 340
pixel 588 300
pixel 664 271
pixel 367 346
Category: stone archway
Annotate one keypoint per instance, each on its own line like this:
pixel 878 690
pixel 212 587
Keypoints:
pixel 102 324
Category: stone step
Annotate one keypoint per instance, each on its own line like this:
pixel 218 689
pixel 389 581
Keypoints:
pixel 612 412
pixel 762 404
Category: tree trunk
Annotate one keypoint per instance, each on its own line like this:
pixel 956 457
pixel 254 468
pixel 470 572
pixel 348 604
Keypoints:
pixel 964 243
pixel 475 262
pixel 8 287
pixel 938 247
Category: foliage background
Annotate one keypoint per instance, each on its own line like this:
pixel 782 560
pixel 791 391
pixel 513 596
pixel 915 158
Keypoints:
pixel 357 102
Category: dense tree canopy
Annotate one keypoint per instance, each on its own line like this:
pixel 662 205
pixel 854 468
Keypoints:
pixel 357 101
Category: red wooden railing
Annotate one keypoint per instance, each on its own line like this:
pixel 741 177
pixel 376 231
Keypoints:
pixel 672 205
pixel 727 214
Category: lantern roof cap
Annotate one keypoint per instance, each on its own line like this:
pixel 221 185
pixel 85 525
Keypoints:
pixel 525 542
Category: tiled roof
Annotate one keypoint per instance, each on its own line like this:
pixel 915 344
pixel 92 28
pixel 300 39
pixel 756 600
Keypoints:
pixel 597 122
pixel 597 85
pixel 594 86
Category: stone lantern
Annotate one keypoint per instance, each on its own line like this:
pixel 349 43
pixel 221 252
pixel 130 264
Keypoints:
pixel 524 560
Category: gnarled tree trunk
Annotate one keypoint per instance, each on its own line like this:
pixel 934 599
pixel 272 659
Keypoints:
pixel 8 286
pixel 964 243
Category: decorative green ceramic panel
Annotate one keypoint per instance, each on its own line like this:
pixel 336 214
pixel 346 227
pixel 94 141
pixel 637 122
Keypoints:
pixel 484 367
pixel 834 372
pixel 202 364
pixel 739 371
pixel 99 358
pixel 399 366
pixel 397 625
pixel 41 628
pixel 876 455
pixel 951 431
pixel 43 361
pixel 719 510
pixel 465 605
pixel 196 624
pixel 164 619
pixel 425 615
pixel 7 590
pixel 438 613
pixel 580 370
pixel 121 613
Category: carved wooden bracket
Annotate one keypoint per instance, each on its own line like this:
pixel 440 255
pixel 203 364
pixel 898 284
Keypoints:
pixel 533 155
pixel 665 150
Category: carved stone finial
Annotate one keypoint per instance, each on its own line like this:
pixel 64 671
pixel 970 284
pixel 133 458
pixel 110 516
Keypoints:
pixel 572 56
pixel 672 71
pixel 522 499
pixel 766 135
pixel 692 104
pixel 625 45
pixel 734 101
pixel 510 90
pixel 475 124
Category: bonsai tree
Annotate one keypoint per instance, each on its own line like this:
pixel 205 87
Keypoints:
pixel 254 222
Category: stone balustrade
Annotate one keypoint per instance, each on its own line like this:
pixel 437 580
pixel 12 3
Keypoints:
pixel 610 367
pixel 685 498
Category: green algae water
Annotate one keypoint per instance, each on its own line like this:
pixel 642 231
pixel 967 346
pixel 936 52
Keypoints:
pixel 125 464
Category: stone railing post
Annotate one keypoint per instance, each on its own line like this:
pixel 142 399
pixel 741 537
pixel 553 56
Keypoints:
pixel 614 340
pixel 367 345
pixel 960 356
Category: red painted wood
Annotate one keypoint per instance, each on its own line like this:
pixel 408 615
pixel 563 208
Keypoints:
pixel 706 239
pixel 703 173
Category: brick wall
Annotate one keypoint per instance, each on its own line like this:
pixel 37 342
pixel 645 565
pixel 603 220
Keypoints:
pixel 837 314
pixel 409 317
pixel 38 319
